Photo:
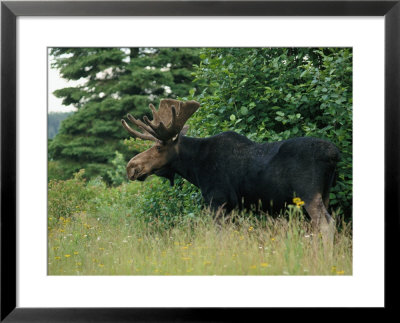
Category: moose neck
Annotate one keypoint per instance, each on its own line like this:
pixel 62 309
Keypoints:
pixel 189 156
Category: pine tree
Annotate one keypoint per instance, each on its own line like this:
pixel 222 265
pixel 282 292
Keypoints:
pixel 116 81
pixel 54 120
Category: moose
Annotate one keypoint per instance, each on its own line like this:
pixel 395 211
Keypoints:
pixel 233 171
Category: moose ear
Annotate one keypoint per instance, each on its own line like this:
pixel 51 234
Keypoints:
pixel 184 130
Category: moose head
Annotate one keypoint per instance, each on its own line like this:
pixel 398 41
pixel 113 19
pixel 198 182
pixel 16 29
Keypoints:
pixel 167 125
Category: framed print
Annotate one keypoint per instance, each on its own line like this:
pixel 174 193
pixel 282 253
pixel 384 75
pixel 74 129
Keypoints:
pixel 55 267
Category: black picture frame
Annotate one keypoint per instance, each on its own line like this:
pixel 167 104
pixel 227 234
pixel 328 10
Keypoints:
pixel 10 10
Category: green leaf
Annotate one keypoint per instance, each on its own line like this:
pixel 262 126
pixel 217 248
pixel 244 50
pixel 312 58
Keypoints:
pixel 244 110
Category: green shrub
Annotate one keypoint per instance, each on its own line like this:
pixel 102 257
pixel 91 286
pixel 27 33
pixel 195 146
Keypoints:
pixel 158 201
pixel 272 94
pixel 118 174
pixel 68 197
pixel 55 171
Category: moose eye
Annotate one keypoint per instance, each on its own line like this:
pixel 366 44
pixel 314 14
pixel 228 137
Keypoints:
pixel 158 148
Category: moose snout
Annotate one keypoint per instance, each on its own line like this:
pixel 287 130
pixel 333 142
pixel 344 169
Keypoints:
pixel 130 173
pixel 131 170
pixel 134 171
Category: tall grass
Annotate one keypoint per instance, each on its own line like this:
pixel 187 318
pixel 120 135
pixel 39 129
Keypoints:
pixel 96 230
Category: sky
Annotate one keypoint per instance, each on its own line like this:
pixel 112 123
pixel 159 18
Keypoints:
pixel 56 82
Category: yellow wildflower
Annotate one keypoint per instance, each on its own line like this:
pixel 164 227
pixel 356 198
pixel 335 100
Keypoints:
pixel 67 256
pixel 264 264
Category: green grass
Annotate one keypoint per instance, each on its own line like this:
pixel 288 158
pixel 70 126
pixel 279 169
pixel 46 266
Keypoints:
pixel 96 230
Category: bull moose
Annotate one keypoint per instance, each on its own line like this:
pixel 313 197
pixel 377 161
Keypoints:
pixel 233 171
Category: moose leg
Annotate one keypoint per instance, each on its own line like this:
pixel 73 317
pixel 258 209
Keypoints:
pixel 326 200
pixel 327 187
pixel 321 219
pixel 219 203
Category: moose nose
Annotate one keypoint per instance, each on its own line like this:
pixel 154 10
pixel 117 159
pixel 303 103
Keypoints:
pixel 131 173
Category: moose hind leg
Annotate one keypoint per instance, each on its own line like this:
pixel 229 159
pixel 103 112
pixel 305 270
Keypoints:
pixel 321 219
pixel 326 200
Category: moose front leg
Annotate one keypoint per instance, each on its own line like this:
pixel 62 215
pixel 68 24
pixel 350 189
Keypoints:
pixel 219 202
pixel 321 219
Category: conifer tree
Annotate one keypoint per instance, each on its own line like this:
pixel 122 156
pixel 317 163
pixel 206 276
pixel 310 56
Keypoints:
pixel 115 81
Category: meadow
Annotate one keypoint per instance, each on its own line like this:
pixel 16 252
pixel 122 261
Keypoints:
pixel 95 229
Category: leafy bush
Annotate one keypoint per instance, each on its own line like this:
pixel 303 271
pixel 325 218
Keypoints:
pixel 68 197
pixel 55 171
pixel 271 94
pixel 118 174
pixel 159 201
pixel 153 201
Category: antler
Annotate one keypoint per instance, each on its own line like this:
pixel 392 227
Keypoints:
pixel 167 122
pixel 134 133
